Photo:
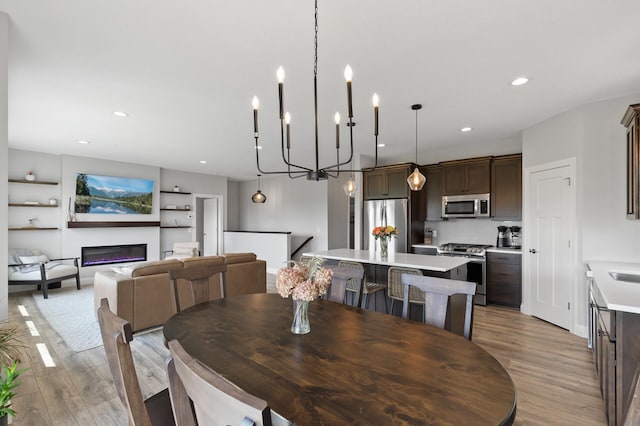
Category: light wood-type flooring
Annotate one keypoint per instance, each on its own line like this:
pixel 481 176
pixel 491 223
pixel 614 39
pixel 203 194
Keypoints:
pixel 552 370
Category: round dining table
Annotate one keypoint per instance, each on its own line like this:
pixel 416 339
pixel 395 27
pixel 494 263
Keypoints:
pixel 354 367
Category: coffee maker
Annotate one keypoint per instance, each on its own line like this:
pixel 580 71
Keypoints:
pixel 504 237
pixel 516 237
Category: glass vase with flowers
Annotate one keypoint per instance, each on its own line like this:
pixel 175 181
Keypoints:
pixel 304 283
pixel 384 234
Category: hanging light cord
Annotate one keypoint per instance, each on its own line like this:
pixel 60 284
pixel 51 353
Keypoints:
pixel 416 136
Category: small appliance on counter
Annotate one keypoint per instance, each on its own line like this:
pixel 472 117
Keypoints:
pixel 504 237
pixel 516 237
pixel 428 236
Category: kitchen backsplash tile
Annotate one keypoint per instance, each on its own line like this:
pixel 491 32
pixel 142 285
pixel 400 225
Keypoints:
pixel 475 231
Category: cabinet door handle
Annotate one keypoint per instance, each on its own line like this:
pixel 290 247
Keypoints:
pixel 533 251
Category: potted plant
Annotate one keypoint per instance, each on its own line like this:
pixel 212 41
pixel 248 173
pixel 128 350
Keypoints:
pixel 10 350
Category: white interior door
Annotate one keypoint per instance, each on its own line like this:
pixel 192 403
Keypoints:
pixel 550 249
pixel 210 227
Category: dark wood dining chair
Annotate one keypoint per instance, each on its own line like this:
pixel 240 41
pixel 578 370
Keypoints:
pixel 437 292
pixel 339 281
pixel 201 396
pixel 197 278
pixel 116 336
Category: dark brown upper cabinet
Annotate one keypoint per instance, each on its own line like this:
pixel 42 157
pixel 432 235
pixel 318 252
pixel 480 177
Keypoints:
pixel 631 121
pixel 467 176
pixel 506 187
pixel 387 182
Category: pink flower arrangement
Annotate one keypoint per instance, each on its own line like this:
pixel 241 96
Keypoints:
pixel 303 282
pixel 384 232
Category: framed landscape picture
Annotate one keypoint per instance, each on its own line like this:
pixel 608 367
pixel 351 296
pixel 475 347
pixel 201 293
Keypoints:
pixel 113 195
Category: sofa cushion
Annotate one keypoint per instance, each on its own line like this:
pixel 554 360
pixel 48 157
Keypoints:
pixel 155 267
pixel 232 258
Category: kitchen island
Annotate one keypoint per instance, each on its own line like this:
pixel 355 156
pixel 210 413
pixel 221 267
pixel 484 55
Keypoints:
pixel 614 327
pixel 452 267
pixel 376 267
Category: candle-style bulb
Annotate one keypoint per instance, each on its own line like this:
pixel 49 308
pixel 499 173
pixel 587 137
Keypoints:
pixel 287 118
pixel 337 118
pixel 280 74
pixel 255 103
pixel 348 74
pixel 375 100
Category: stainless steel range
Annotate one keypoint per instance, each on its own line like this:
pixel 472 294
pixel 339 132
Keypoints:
pixel 476 268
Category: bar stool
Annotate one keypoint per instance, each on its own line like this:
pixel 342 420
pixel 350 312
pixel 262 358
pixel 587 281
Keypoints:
pixel 396 292
pixel 367 287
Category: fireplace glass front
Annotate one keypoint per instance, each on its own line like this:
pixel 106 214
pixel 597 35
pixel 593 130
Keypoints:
pixel 106 255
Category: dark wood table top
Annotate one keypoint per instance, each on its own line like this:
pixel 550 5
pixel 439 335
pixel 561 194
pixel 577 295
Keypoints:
pixel 355 367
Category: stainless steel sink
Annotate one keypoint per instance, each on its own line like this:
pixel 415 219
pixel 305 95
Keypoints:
pixel 625 276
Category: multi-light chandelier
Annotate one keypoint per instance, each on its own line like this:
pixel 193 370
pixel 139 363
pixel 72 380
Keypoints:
pixel 315 173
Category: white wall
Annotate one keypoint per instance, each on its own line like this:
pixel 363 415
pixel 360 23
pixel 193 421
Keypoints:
pixel 594 136
pixel 195 183
pixel 607 234
pixel 75 238
pixel 233 189
pixel 4 159
pixel 295 205
pixel 474 231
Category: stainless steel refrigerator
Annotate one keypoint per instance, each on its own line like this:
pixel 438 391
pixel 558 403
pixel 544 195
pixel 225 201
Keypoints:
pixel 394 212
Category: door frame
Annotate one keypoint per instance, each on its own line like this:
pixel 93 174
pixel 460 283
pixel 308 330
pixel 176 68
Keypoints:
pixel 573 235
pixel 220 198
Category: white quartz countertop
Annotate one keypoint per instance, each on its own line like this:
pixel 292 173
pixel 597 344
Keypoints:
pixel 406 260
pixel 504 250
pixel 617 295
pixel 425 246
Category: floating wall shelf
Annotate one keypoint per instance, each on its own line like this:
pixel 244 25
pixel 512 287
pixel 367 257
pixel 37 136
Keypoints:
pixel 34 182
pixel 31 205
pixel 27 228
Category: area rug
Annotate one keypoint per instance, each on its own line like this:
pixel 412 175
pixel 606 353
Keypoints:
pixel 70 313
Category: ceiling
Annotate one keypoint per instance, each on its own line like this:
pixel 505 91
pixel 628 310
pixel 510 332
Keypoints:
pixel 185 72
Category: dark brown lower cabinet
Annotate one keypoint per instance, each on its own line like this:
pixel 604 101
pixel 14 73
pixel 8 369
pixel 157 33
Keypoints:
pixel 504 279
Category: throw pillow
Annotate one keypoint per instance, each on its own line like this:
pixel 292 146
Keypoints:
pixel 34 259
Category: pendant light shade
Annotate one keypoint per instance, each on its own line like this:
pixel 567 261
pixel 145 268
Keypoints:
pixel 350 187
pixel 416 180
pixel 258 197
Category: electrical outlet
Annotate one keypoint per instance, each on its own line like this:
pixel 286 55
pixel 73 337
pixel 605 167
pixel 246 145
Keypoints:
pixel 434 233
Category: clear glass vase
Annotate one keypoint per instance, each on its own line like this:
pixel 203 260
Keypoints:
pixel 300 324
pixel 384 247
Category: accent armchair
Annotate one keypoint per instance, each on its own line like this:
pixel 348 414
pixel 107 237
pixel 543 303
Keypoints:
pixel 31 267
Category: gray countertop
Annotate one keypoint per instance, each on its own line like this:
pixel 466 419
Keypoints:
pixel 406 260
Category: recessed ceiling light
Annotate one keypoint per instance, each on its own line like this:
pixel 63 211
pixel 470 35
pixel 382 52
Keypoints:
pixel 519 81
pixel 83 142
pixel 381 145
pixel 120 114
pixel 258 147
pixel 203 161
pixel 466 129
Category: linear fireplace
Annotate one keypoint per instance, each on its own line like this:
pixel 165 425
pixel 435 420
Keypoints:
pixel 106 255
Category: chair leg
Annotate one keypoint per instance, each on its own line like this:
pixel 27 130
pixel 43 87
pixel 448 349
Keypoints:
pixel 45 290
pixel 364 301
pixel 78 281
pixel 386 308
pixel 393 301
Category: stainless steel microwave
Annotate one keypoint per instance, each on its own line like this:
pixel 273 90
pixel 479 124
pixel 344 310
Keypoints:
pixel 471 205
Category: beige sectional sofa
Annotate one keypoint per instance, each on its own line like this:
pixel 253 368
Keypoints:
pixel 143 294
